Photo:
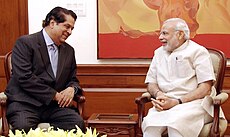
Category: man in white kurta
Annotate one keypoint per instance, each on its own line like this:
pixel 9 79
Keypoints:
pixel 180 76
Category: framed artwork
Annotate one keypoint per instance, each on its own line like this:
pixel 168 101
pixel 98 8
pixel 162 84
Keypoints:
pixel 128 29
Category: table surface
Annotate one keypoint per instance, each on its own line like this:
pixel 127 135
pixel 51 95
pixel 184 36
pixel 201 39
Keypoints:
pixel 112 118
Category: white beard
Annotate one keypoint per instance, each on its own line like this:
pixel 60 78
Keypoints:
pixel 171 48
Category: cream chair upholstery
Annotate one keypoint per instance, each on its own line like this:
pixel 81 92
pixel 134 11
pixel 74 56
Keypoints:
pixel 218 125
pixel 4 126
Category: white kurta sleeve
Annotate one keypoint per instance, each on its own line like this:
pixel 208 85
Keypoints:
pixel 151 74
pixel 203 66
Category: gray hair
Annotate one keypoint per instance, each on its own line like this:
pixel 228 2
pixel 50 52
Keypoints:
pixel 181 25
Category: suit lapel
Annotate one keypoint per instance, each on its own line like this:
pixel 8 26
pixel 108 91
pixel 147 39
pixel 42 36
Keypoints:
pixel 61 60
pixel 45 56
pixel 46 60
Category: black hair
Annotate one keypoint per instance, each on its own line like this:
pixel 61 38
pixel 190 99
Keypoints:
pixel 58 15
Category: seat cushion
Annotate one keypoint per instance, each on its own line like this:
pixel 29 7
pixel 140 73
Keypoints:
pixel 44 125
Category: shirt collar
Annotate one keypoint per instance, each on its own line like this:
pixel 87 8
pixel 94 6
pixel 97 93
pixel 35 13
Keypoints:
pixel 47 38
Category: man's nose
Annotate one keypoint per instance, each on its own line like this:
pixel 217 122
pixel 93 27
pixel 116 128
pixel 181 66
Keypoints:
pixel 69 31
pixel 160 37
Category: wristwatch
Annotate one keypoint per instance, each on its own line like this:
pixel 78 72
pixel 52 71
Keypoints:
pixel 179 100
pixel 75 89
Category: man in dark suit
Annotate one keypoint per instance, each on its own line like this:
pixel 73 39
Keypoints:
pixel 40 90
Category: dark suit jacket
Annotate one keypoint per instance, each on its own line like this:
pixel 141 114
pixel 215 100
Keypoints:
pixel 32 80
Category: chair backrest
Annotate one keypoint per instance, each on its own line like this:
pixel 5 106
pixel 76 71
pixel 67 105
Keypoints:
pixel 219 64
pixel 7 65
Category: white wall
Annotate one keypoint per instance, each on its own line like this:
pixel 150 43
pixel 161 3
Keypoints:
pixel 84 36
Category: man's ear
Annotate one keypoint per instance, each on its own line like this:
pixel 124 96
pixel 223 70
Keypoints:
pixel 52 23
pixel 181 35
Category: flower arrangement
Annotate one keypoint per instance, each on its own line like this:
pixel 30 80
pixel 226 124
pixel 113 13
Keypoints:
pixel 50 132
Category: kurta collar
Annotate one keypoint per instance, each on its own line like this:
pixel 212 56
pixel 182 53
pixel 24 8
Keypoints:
pixel 183 46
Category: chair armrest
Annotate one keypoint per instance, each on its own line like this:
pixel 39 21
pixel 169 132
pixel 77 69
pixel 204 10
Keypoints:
pixel 140 101
pixel 146 94
pixel 144 98
pixel 79 99
pixel 80 103
pixel 5 126
pixel 221 98
pixel 3 98
pixel 217 102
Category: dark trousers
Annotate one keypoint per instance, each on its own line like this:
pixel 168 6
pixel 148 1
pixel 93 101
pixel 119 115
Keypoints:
pixel 25 116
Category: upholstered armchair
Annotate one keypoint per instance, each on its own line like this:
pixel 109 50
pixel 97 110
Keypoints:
pixel 5 127
pixel 219 125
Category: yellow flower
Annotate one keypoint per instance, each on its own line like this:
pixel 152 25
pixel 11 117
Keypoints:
pixel 50 132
